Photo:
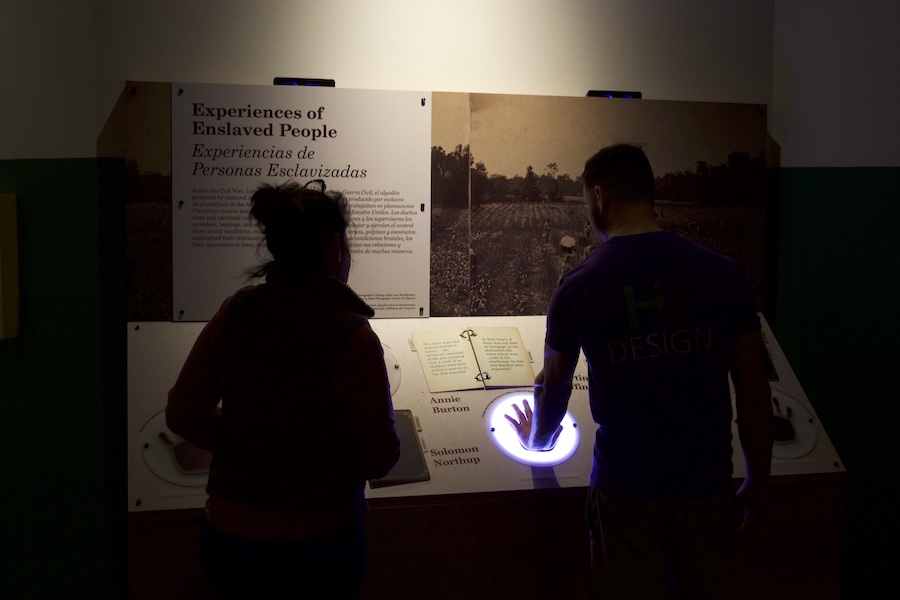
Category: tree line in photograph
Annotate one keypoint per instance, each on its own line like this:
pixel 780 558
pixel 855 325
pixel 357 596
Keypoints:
pixel 738 181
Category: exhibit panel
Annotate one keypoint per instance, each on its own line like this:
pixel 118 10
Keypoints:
pixel 454 184
pixel 372 146
pixel 502 219
pixel 454 442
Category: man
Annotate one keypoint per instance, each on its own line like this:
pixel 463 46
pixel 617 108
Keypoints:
pixel 661 321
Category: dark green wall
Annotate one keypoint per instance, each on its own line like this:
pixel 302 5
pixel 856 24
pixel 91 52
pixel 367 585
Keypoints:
pixel 62 385
pixel 837 320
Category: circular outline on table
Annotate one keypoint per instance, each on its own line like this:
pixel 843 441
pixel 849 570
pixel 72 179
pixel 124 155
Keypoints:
pixel 160 460
pixel 804 424
pixel 392 366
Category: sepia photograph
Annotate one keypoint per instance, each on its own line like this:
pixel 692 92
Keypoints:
pixel 508 216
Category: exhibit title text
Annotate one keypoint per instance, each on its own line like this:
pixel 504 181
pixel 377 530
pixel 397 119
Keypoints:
pixel 252 122
pixel 286 128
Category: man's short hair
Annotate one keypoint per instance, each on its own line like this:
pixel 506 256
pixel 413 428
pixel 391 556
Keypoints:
pixel 622 170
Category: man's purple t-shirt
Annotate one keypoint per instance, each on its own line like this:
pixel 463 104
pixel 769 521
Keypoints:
pixel 656 316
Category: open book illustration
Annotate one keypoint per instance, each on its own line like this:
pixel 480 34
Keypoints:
pixel 471 359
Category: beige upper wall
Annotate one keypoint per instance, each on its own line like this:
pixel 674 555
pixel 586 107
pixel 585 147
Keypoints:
pixel 70 63
pixel 47 79
pixel 836 83
pixel 699 50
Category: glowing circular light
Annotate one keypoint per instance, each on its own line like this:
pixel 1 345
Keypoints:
pixel 506 438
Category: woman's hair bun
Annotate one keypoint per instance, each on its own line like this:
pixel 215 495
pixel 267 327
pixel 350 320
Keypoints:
pixel 297 223
pixel 270 204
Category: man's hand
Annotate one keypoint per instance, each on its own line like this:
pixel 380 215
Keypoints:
pixel 523 428
pixel 752 503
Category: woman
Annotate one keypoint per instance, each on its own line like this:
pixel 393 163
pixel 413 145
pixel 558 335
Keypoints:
pixel 306 415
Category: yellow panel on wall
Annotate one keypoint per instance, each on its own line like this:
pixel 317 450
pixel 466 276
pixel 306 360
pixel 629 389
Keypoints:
pixel 9 267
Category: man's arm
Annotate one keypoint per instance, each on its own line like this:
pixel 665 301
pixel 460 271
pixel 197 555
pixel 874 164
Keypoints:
pixel 754 420
pixel 552 388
